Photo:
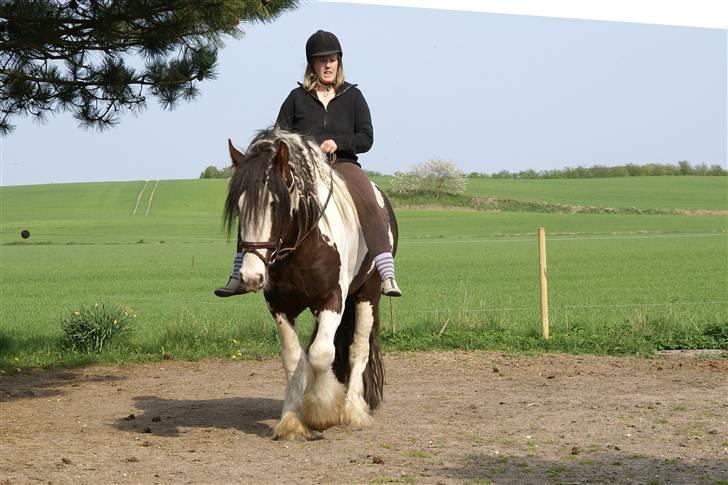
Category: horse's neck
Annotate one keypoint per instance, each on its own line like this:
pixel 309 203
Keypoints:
pixel 339 210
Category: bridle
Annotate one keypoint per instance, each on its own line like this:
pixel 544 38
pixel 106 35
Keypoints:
pixel 276 249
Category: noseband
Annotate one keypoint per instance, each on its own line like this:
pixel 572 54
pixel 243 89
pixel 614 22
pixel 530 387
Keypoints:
pixel 276 249
pixel 253 247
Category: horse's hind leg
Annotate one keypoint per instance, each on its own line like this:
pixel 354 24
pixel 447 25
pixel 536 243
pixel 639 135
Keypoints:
pixel 355 412
pixel 291 425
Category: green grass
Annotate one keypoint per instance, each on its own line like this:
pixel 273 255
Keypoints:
pixel 617 283
pixel 683 192
pixel 94 213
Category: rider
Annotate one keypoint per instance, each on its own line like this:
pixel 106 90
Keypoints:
pixel 336 114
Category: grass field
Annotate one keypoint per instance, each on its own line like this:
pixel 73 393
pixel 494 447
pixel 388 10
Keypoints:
pixel 618 283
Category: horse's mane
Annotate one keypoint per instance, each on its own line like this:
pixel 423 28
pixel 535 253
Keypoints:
pixel 308 167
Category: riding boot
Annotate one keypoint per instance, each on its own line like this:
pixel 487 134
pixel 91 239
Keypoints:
pixel 232 288
pixel 390 288
pixel 385 266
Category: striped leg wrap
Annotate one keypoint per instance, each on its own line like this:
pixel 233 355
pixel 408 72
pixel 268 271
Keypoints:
pixel 385 265
pixel 237 264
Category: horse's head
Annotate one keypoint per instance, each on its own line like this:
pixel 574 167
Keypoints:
pixel 278 192
pixel 260 195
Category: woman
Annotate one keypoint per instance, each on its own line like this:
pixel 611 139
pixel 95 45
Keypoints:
pixel 336 115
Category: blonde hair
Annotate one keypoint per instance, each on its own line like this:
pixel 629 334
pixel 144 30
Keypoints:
pixel 311 80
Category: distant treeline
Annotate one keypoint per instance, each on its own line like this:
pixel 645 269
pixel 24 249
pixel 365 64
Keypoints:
pixel 601 171
pixel 215 173
pixel 595 171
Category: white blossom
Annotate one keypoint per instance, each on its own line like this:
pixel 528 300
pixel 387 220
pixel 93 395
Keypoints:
pixel 435 177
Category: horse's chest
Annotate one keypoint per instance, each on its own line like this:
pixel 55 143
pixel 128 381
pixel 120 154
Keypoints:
pixel 308 279
pixel 313 268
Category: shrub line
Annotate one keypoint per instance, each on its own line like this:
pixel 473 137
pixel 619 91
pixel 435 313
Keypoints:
pixel 424 199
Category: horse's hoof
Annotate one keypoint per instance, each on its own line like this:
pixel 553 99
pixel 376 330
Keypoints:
pixel 292 428
pixel 314 435
pixel 355 414
pixel 308 435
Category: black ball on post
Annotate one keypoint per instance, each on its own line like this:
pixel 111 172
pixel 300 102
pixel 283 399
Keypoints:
pixel 25 234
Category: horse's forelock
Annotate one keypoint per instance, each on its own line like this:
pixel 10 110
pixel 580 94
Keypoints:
pixel 257 174
pixel 252 181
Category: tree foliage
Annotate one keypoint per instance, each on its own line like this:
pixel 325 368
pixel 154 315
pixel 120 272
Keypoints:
pixel 600 171
pixel 212 172
pixel 435 177
pixel 99 58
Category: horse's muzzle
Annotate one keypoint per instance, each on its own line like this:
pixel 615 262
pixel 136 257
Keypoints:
pixel 253 273
pixel 253 283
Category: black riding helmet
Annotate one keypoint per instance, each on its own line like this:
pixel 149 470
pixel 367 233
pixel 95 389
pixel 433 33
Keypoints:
pixel 322 43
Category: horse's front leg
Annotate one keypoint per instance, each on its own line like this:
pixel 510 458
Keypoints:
pixel 291 425
pixel 324 394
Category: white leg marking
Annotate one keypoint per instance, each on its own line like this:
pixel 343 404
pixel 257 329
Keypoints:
pixel 294 362
pixel 355 413
pixel 321 353
pixel 324 394
pixel 291 425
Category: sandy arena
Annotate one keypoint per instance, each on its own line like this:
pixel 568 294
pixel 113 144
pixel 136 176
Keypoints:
pixel 448 417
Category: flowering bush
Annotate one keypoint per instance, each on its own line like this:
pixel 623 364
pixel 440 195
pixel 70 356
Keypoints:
pixel 92 328
pixel 435 177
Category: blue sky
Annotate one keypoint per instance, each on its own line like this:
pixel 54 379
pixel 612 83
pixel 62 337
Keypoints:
pixel 487 91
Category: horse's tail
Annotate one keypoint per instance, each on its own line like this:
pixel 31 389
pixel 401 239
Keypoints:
pixel 342 341
pixel 374 372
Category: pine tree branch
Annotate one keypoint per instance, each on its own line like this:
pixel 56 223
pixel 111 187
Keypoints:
pixel 69 82
pixel 60 55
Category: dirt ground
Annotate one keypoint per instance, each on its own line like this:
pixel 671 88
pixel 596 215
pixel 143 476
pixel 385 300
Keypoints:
pixel 450 417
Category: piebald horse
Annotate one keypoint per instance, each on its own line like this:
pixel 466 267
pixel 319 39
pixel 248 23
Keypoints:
pixel 303 246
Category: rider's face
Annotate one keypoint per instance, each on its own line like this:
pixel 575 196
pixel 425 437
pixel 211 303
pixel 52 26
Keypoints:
pixel 326 67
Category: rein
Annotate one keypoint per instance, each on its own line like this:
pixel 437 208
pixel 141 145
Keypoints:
pixel 278 253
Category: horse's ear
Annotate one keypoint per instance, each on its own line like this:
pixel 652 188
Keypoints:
pixel 282 162
pixel 235 155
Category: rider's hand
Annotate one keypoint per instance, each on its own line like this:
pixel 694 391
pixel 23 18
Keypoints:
pixel 329 146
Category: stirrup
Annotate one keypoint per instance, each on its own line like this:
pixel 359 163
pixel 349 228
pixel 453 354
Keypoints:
pixel 232 288
pixel 390 288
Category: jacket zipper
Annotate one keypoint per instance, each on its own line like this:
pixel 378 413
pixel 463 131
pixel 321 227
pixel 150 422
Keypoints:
pixel 326 110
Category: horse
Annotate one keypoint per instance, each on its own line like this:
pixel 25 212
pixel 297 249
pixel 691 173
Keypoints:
pixel 303 246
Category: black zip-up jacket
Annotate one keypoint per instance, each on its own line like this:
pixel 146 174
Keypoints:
pixel 346 119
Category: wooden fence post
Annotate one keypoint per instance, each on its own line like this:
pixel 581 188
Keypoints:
pixel 544 288
pixel 391 317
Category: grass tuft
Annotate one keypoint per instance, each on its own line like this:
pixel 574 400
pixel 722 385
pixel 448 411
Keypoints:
pixel 93 328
